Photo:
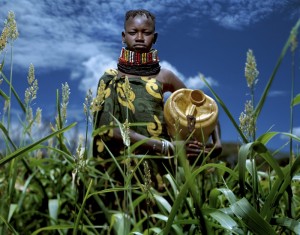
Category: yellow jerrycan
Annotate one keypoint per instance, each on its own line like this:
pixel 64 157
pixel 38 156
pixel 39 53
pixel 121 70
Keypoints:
pixel 190 113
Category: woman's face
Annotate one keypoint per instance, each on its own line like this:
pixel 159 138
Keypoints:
pixel 139 34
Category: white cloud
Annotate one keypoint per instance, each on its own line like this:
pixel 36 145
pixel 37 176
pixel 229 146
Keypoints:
pixel 237 14
pixel 167 65
pixel 193 82
pixel 197 83
pixel 276 93
pixel 69 31
pixel 57 34
pixel 93 68
pixel 296 131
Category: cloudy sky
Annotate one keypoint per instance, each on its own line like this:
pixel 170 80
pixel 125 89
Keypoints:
pixel 74 41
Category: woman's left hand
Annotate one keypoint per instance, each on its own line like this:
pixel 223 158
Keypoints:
pixel 194 148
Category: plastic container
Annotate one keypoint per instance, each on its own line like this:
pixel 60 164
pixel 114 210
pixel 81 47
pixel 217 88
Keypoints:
pixel 190 113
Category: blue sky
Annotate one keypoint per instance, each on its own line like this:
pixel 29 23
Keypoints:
pixel 75 41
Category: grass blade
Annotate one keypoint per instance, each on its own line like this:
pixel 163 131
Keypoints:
pixel 251 218
pixel 262 100
pixel 296 100
pixel 14 92
pixel 79 215
pixel 31 147
pixel 218 99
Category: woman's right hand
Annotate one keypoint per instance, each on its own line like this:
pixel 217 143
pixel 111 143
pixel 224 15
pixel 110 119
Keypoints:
pixel 194 148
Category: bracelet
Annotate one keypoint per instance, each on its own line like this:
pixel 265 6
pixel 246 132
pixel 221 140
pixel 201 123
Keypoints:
pixel 165 146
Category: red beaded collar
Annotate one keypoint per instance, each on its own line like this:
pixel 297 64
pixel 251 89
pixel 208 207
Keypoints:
pixel 136 58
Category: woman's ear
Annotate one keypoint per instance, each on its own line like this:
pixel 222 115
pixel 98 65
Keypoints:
pixel 123 37
pixel 155 37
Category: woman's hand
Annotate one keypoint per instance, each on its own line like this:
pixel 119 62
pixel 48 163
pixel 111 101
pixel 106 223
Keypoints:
pixel 194 148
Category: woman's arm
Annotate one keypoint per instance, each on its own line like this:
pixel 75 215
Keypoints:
pixel 148 145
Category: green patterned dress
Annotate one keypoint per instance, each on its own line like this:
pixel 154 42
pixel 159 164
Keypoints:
pixel 140 99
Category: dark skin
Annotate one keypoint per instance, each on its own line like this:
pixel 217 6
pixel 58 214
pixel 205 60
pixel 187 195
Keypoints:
pixel 139 36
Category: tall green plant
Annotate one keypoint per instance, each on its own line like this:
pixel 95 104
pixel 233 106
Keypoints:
pixel 24 164
pixel 265 202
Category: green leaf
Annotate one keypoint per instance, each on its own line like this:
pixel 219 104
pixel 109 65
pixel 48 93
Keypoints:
pixel 79 215
pixel 5 132
pixel 33 146
pixel 12 209
pixel 10 227
pixel 214 196
pixel 53 227
pixel 23 195
pixel 296 100
pixel 218 99
pixel 121 223
pixel 244 152
pixel 266 137
pixel 251 218
pixel 288 223
pixel 163 202
pixel 2 65
pixel 225 220
pixel 184 190
pixel 14 92
pixel 259 148
pixel 268 86
pixel 4 95
pixel 53 206
pixel 297 138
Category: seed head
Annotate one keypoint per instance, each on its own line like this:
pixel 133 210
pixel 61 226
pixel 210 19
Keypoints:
pixel 29 115
pixel 125 133
pixel 11 25
pixel 127 88
pixel 294 41
pixel 147 181
pixel 147 175
pixel 31 75
pixel 87 104
pixel 251 71
pixel 247 122
pixel 31 91
pixel 3 38
pixel 65 100
pixel 38 116
pixel 98 101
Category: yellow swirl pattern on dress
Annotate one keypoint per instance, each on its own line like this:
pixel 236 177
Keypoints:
pixel 109 133
pixel 152 87
pixel 123 100
pixel 113 72
pixel 102 94
pixel 155 128
pixel 107 91
pixel 100 146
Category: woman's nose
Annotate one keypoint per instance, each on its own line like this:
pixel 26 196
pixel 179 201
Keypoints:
pixel 139 37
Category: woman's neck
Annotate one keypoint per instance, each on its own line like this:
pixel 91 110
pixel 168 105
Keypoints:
pixel 141 64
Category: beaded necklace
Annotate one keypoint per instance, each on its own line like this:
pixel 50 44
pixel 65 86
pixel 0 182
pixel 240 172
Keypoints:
pixel 135 63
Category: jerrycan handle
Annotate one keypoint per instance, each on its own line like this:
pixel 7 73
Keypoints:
pixel 197 99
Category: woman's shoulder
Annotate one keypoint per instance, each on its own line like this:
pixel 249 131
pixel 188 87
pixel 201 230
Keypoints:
pixel 111 71
pixel 170 80
pixel 166 72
